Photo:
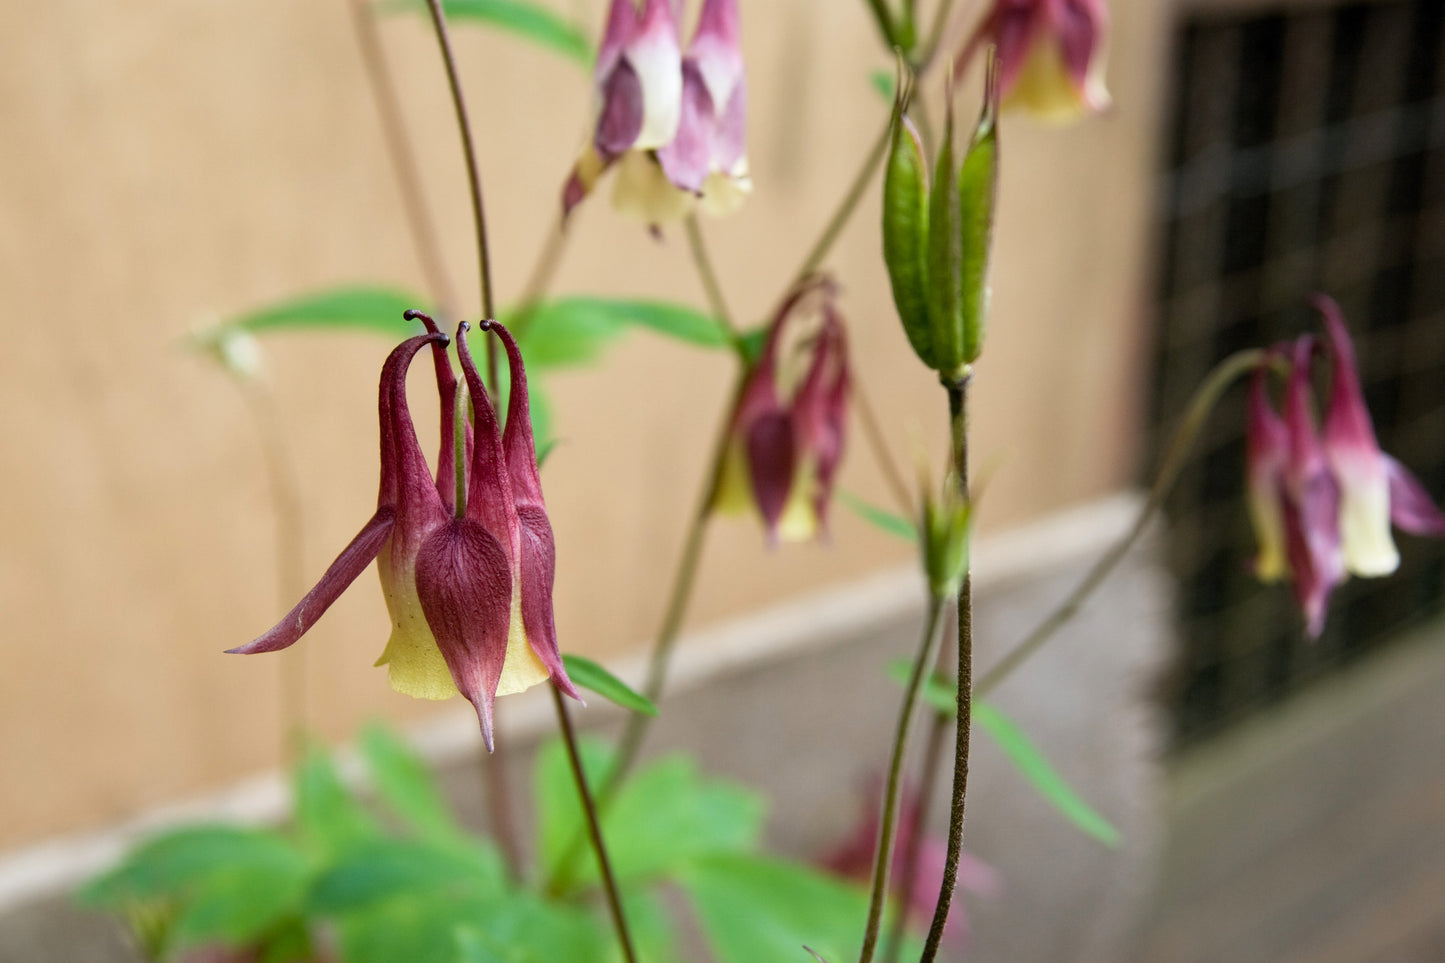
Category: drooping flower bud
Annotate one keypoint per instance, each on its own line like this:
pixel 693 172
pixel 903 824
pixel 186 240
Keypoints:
pixel 1052 54
pixel 788 427
pixel 469 592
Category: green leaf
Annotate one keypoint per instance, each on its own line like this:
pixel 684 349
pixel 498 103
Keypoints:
pixel 938 690
pixel 889 522
pixel 531 21
pixel 372 309
pixel 882 81
pixel 754 908
pixel 405 785
pixel 329 819
pixel 573 331
pixel 1038 771
pixel 591 675
pixel 664 817
pixel 384 869
pixel 241 904
pixel 169 864
pixel 418 930
pixel 524 929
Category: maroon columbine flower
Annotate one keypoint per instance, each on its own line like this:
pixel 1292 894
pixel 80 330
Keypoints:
pixel 1322 503
pixel 469 592
pixel 1051 55
pixel 674 126
pixel 789 424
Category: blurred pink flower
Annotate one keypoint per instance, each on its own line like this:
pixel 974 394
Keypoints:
pixel 853 859
pixel 674 125
pixel 1051 55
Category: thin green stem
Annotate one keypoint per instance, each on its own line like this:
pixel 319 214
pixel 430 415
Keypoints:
pixel 884 19
pixel 403 159
pixel 708 276
pixel 883 856
pixel 474 182
pixel 908 867
pixel 594 827
pixel 935 35
pixel 1195 416
pixel 834 228
pixel 958 423
pixel 873 431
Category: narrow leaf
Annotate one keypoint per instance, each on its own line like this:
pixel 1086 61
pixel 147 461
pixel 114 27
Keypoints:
pixel 591 675
pixel 1038 771
pixel 372 309
pixel 889 522
pixel 531 21
pixel 573 330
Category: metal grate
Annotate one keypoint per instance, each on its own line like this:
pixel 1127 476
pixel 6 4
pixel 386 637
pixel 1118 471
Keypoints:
pixel 1307 152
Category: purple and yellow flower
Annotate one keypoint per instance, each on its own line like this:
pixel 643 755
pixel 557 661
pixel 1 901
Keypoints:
pixel 1051 55
pixel 469 592
pixel 789 424
pixel 674 125
pixel 1322 501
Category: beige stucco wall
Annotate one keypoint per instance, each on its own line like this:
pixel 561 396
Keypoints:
pixel 166 163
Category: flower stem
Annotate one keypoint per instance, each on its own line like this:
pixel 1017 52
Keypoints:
pixel 708 276
pixel 883 856
pixel 474 181
pixel 1206 396
pixel 873 431
pixel 594 828
pixel 403 159
pixel 884 19
pixel 958 422
pixel 845 210
pixel 908 868
pixel 286 503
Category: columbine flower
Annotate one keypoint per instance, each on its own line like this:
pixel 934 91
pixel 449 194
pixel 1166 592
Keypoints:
pixel 470 592
pixel 673 125
pixel 1375 489
pixel 1051 55
pixel 788 427
pixel 1322 503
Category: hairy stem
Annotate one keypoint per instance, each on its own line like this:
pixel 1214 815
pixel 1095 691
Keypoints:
pixel 474 181
pixel 1195 417
pixel 594 827
pixel 403 159
pixel 958 421
pixel 883 856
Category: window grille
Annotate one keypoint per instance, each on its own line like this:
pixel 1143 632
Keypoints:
pixel 1305 152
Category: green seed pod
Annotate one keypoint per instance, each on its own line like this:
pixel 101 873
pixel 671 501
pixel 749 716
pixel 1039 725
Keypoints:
pixel 977 193
pixel 945 262
pixel 905 233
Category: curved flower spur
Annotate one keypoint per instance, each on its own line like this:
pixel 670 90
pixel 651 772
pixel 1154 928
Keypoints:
pixel 468 586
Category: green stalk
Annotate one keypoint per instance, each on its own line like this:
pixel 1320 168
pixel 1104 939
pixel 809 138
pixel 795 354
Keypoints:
pixel 883 857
